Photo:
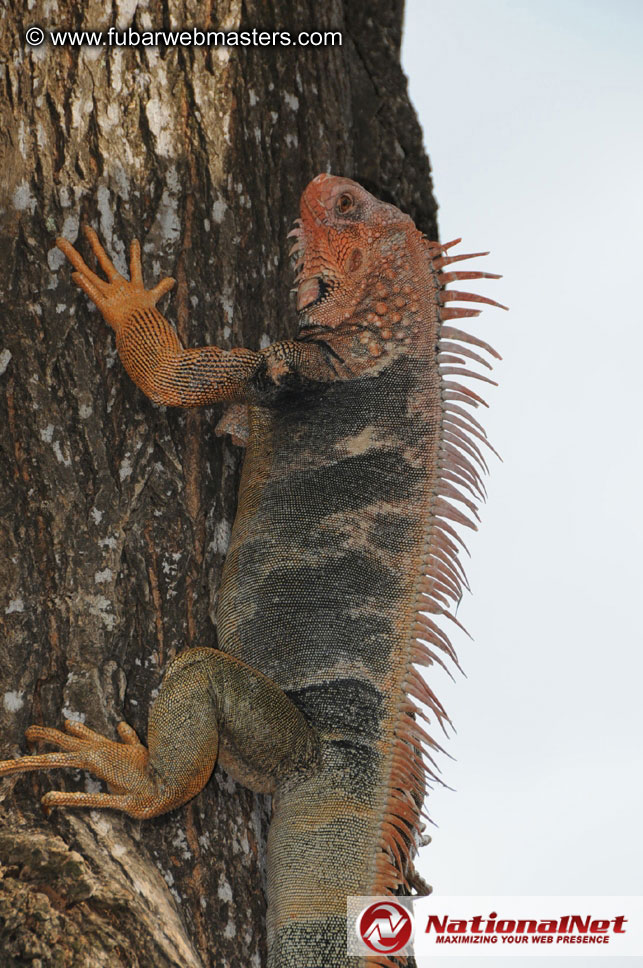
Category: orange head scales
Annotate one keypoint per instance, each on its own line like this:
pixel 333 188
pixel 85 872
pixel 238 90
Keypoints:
pixel 350 249
pixel 367 277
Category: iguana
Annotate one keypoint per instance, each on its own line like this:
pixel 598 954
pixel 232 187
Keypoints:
pixel 343 554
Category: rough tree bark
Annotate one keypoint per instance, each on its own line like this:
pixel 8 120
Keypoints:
pixel 115 513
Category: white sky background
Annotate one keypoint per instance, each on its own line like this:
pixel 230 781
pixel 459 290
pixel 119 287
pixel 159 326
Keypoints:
pixel 532 119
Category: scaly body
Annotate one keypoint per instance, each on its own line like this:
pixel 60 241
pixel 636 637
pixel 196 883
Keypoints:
pixel 342 550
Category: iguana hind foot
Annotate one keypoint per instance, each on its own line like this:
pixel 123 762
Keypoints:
pixel 124 766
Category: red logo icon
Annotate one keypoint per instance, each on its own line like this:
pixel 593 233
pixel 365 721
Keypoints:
pixel 385 926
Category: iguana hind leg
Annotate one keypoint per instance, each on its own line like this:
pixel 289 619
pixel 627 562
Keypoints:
pixel 209 703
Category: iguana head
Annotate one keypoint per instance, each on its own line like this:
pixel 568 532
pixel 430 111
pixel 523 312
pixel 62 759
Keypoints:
pixel 345 241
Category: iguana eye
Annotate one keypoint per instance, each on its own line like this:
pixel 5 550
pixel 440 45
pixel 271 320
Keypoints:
pixel 345 203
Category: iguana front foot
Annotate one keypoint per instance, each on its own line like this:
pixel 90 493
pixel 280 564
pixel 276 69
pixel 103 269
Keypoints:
pixel 124 766
pixel 116 297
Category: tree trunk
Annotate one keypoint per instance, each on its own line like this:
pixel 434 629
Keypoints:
pixel 115 512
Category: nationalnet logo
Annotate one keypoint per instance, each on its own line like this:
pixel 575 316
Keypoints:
pixel 569 929
pixel 495 926
pixel 385 926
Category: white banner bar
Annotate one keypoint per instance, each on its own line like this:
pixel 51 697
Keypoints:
pixel 534 927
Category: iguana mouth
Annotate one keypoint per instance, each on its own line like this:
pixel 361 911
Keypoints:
pixel 310 289
pixel 314 279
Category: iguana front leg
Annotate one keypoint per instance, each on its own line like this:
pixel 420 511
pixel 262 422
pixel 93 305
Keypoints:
pixel 209 704
pixel 147 345
pixel 152 354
